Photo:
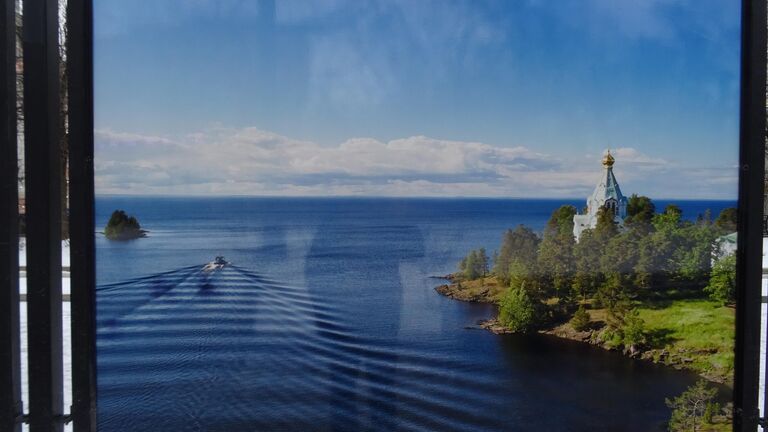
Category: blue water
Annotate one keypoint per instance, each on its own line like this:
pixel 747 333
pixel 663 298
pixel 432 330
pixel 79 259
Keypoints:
pixel 327 320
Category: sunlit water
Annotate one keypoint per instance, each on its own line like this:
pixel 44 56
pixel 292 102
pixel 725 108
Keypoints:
pixel 327 320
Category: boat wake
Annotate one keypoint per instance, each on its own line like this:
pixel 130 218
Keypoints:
pixel 230 349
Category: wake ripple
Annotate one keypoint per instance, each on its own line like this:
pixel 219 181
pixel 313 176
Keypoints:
pixel 234 350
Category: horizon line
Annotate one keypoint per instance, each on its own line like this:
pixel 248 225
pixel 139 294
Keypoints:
pixel 112 195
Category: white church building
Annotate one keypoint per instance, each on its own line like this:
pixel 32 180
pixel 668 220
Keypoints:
pixel 606 194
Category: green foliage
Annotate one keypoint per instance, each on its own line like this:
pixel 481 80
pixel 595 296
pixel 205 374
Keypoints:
pixel 633 331
pixel 518 310
pixel 688 409
pixel 712 409
pixel 640 210
pixel 606 225
pixel 474 265
pixel 581 319
pixel 652 257
pixel 673 209
pixel 482 257
pixel 588 276
pixel 555 258
pixel 613 293
pixel 722 282
pixel 692 257
pixel 122 227
pixel 620 253
pixel 561 221
pixel 700 328
pixel 660 251
pixel 726 220
pixel 520 244
pixel 669 220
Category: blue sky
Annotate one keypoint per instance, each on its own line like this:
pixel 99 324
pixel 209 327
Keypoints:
pixel 416 97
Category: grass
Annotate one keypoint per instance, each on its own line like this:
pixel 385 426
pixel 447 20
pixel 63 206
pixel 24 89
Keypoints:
pixel 698 333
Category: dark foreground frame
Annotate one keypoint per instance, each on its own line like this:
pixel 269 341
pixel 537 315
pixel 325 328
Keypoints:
pixel 44 290
pixel 42 186
pixel 82 212
pixel 751 177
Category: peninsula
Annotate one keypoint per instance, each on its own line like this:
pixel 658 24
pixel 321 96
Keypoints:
pixel 619 275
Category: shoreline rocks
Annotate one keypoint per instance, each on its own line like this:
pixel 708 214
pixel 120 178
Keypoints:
pixel 676 360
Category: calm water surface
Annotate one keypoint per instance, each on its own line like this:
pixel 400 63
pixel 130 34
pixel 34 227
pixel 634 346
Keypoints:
pixel 328 320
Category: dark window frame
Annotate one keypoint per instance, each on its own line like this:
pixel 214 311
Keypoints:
pixel 752 136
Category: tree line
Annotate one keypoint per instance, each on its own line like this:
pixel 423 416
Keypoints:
pixel 655 254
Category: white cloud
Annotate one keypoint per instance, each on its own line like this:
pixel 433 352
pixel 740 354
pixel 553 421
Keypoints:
pixel 251 161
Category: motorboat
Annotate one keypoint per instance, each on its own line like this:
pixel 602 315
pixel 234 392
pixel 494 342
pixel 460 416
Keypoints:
pixel 218 263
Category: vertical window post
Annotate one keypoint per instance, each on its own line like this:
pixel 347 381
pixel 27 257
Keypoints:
pixel 81 227
pixel 749 247
pixel 43 200
pixel 10 360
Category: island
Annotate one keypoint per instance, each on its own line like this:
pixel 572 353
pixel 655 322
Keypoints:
pixel 620 276
pixel 122 227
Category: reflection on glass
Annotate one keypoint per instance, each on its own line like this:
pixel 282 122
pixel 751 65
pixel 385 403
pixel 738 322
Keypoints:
pixel 411 216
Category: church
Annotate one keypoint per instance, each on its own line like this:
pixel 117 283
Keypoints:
pixel 606 194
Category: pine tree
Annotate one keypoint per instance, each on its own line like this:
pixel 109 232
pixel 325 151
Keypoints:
pixel 518 310
pixel 726 220
pixel 519 244
pixel 581 319
pixel 606 225
pixel 688 409
pixel 556 258
pixel 483 263
pixel 587 259
pixel 640 210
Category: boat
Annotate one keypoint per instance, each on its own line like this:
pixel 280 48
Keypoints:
pixel 218 263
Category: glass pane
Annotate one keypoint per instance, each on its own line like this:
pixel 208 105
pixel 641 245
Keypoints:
pixel 479 215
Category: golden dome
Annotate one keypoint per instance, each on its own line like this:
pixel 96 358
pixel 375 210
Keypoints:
pixel 608 160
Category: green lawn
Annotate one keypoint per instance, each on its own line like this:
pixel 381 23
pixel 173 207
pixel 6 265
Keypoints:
pixel 697 333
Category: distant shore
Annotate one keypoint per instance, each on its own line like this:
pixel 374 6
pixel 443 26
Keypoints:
pixel 487 290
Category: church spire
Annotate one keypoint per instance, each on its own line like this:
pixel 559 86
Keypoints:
pixel 608 159
pixel 607 194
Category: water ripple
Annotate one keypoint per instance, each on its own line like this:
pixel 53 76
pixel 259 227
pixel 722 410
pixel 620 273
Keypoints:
pixel 179 345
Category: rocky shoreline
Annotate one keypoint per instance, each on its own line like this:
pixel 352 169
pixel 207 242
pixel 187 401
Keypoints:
pixel 128 234
pixel 489 294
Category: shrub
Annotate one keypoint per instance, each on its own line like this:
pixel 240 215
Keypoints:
pixel 581 319
pixel 518 311
pixel 722 281
pixel 633 330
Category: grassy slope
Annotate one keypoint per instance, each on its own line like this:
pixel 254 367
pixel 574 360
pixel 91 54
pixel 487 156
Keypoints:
pixel 696 332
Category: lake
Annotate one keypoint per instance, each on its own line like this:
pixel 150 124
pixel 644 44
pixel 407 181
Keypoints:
pixel 327 319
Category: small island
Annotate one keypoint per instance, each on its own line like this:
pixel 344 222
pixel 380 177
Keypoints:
pixel 122 227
